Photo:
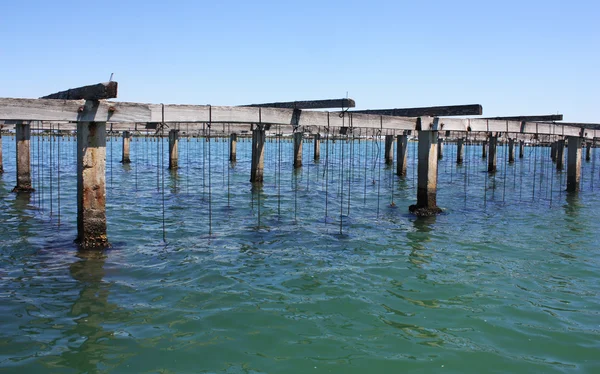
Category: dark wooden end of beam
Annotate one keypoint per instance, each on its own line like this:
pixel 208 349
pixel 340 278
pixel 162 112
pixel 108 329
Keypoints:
pixel 432 111
pixel 98 91
pixel 309 104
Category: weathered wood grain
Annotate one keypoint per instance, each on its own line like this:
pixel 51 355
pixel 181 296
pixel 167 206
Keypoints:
pixel 540 118
pixel 98 91
pixel 432 111
pixel 309 104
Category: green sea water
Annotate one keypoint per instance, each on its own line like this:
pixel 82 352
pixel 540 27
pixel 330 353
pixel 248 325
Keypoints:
pixel 321 270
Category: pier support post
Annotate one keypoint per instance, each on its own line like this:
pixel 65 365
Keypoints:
pixel 493 142
pixel 588 154
pixel 553 148
pixel 258 155
pixel 521 148
pixel 560 154
pixel 22 137
pixel 233 147
pixel 317 146
pixel 1 163
pixel 440 149
pixel 401 145
pixel 511 151
pixel 484 149
pixel 91 185
pixel 173 149
pixel 459 150
pixel 574 163
pixel 125 159
pixel 389 149
pixel 297 149
pixel 427 175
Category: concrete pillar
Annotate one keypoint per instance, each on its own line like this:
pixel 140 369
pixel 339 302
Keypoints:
pixel 91 185
pixel 22 137
pixel 402 146
pixel 317 146
pixel 560 154
pixel 493 142
pixel 588 154
pixel 511 151
pixel 126 141
pixel 258 156
pixel 440 150
pixel 521 148
pixel 574 163
pixel 459 151
pixel 427 175
pixel 233 147
pixel 553 148
pixel 389 149
pixel 484 149
pixel 297 149
pixel 173 149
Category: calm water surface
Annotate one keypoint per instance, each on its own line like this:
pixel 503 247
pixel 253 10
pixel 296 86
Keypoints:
pixel 269 281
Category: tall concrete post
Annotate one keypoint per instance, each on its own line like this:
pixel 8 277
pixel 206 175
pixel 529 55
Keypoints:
pixel 440 150
pixel 233 147
pixel 493 142
pixel 521 148
pixel 258 156
pixel 297 149
pixel 484 149
pixel 125 159
pixel 91 185
pixel 588 154
pixel 511 150
pixel 173 149
pixel 317 145
pixel 389 149
pixel 402 146
pixel 22 137
pixel 427 175
pixel 459 150
pixel 574 163
pixel 560 154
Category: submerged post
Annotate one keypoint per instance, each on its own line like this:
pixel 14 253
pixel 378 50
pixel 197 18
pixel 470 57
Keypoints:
pixel 233 147
pixel 440 150
pixel 297 149
pixel 126 140
pixel 588 154
pixel 91 185
pixel 560 154
pixel 573 163
pixel 173 149
pixel 521 148
pixel 459 150
pixel 389 149
pixel 511 150
pixel 401 145
pixel 258 155
pixel 427 175
pixel 317 151
pixel 493 141
pixel 22 137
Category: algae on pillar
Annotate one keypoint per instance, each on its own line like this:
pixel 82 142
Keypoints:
pixel 427 175
pixel 233 147
pixel 297 149
pixel 402 146
pixel 317 145
pixel 173 149
pixel 126 143
pixel 389 149
pixel 258 155
pixel 91 185
pixel 493 142
pixel 574 163
pixel 22 137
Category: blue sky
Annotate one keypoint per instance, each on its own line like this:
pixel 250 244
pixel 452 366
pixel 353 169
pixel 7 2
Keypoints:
pixel 513 57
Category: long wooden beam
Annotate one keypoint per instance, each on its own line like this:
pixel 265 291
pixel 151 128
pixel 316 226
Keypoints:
pixel 592 126
pixel 309 104
pixel 542 118
pixel 432 111
pixel 100 91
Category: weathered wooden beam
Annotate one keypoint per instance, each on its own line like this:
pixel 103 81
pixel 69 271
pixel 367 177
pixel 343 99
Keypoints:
pixel 590 126
pixel 308 104
pixel 100 91
pixel 432 111
pixel 550 117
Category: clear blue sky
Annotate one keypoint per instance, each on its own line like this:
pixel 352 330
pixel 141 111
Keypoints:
pixel 513 57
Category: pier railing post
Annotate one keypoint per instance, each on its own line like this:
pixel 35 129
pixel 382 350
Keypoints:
pixel 317 145
pixel 173 149
pixel 91 185
pixel 459 150
pixel 258 155
pixel 574 163
pixel 493 142
pixel 427 175
pixel 511 150
pixel 298 149
pixel 233 147
pixel 401 145
pixel 389 149
pixel 560 154
pixel 22 137
pixel 126 143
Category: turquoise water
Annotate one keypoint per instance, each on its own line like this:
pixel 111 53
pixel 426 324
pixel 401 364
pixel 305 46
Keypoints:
pixel 269 281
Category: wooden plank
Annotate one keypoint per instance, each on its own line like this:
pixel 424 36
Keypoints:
pixel 433 111
pixel 308 104
pixel 592 126
pixel 100 91
pixel 550 117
